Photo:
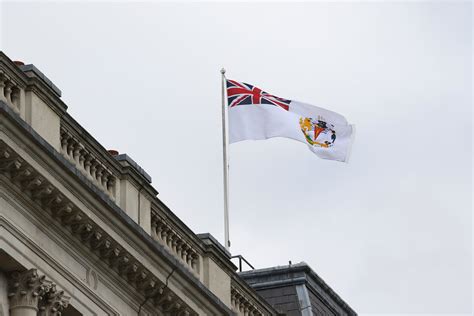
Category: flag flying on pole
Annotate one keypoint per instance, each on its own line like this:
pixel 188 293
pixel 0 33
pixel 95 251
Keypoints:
pixel 255 114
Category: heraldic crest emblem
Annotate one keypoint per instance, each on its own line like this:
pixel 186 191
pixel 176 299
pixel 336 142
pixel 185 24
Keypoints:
pixel 318 132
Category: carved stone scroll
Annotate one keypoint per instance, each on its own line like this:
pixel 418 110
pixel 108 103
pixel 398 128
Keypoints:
pixel 53 302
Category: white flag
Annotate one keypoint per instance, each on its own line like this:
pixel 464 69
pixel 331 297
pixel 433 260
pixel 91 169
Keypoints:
pixel 255 114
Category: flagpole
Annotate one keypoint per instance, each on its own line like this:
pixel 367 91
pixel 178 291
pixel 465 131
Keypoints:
pixel 225 163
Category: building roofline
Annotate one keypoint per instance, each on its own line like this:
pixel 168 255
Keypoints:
pixel 33 79
pixel 42 76
pixel 295 268
pixel 133 169
pixel 224 252
pixel 115 210
pixel 131 162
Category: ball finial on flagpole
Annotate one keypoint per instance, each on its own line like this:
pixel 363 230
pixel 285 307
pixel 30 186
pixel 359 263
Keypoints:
pixel 223 71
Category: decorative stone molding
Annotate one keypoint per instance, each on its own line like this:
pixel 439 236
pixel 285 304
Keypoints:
pixel 242 303
pixel 85 161
pixel 53 302
pixel 169 304
pixel 88 157
pixel 163 232
pixel 41 191
pixel 25 289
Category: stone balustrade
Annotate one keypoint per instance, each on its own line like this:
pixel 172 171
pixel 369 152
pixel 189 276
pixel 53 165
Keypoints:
pixel 163 232
pixel 84 160
pixel 46 301
pixel 242 304
pixel 11 92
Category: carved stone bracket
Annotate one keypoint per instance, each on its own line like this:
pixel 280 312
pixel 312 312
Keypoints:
pixel 73 219
pixel 169 303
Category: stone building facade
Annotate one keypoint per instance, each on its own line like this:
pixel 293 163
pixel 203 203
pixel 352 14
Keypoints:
pixel 82 231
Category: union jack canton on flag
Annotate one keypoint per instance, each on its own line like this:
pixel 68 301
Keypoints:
pixel 239 93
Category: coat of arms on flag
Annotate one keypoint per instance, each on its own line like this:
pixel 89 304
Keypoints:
pixel 318 132
pixel 255 114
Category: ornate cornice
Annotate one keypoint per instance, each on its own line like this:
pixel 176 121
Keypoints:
pixel 187 246
pixel 35 186
pixel 89 158
pixel 15 232
pixel 78 224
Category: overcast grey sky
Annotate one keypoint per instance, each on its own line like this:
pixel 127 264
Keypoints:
pixel 390 232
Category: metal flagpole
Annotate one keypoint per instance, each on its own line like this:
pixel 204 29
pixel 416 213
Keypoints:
pixel 225 162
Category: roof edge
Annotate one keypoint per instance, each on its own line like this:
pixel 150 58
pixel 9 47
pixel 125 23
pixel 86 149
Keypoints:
pixel 303 267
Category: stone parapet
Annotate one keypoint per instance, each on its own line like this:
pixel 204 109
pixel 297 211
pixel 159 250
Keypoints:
pixel 80 225
pixel 189 253
pixel 31 110
pixel 86 160
pixel 36 100
pixel 121 258
pixel 12 91
pixel 245 302
pixel 31 96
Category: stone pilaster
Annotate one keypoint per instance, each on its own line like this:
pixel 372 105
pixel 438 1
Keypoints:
pixel 24 291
